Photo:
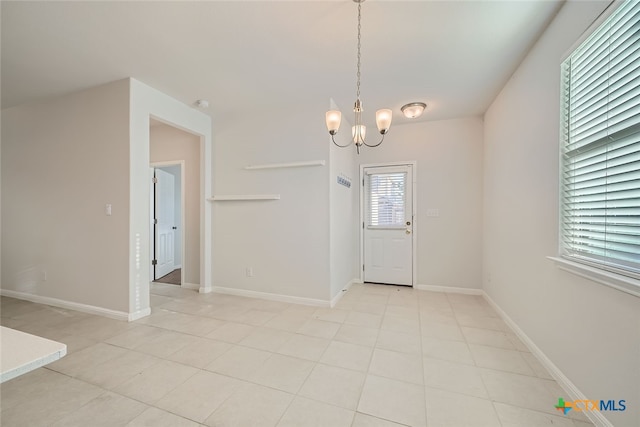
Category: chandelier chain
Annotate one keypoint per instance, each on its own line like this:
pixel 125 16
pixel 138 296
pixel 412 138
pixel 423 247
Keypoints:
pixel 358 72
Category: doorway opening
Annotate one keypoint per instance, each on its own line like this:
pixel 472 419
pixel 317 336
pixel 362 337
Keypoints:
pixel 175 220
pixel 387 213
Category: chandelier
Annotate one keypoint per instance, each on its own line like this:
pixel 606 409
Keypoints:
pixel 358 130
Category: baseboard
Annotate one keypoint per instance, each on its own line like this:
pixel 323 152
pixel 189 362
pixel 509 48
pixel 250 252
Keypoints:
pixel 449 289
pixel 342 291
pixel 574 393
pixel 85 308
pixel 139 314
pixel 186 285
pixel 270 297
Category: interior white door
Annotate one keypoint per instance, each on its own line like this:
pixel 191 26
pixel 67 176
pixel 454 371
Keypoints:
pixel 388 227
pixel 165 223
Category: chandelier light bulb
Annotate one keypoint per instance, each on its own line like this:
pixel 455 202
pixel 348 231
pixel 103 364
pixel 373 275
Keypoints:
pixel 333 118
pixel 383 120
pixel 358 133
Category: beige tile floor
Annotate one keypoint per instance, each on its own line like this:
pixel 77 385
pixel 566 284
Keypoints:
pixel 384 356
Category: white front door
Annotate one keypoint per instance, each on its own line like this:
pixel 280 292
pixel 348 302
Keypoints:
pixel 388 225
pixel 165 223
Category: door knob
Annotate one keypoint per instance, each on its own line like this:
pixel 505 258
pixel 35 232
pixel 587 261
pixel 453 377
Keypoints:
pixel 408 231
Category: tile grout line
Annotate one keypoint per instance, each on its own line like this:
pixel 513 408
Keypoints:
pixel 493 406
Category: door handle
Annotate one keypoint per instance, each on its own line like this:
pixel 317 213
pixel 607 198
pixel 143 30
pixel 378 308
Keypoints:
pixel 408 231
pixel 174 228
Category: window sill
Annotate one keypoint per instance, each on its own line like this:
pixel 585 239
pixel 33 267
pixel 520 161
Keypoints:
pixel 616 281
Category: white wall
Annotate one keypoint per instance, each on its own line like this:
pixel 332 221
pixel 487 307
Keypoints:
pixel 343 211
pixel 285 241
pixel 62 161
pixel 172 144
pixel 589 331
pixel 449 178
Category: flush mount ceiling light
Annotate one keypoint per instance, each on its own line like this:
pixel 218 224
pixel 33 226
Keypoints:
pixel 413 110
pixel 358 130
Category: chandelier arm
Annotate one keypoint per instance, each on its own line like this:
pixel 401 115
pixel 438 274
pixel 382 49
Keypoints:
pixel 375 145
pixel 341 146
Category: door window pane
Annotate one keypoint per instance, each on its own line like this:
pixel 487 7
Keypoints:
pixel 386 204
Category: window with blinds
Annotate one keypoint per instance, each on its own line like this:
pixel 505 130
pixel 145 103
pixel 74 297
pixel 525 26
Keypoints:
pixel 600 146
pixel 386 201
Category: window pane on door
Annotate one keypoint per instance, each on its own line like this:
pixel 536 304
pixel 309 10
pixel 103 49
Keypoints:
pixel 386 201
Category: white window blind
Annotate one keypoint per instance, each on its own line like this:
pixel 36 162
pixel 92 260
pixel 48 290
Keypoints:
pixel 386 201
pixel 600 146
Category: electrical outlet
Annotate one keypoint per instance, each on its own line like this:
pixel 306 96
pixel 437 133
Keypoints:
pixel 249 271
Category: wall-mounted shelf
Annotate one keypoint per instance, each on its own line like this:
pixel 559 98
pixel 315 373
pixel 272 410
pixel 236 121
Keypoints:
pixel 244 197
pixel 287 165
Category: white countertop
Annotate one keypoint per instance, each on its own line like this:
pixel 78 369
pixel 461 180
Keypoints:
pixel 21 352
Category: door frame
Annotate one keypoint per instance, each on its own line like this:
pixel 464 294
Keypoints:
pixel 183 267
pixel 414 214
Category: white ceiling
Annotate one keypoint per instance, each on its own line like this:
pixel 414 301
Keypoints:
pixel 246 55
